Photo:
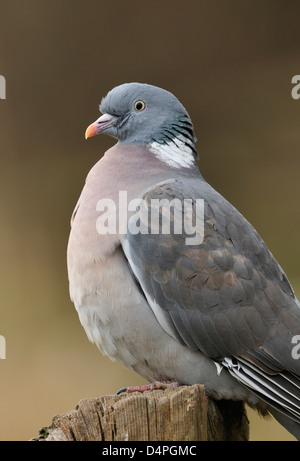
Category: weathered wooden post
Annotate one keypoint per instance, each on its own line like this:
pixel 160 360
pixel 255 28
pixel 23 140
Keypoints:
pixel 173 414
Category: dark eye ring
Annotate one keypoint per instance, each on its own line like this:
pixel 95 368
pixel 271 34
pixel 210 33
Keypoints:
pixel 139 105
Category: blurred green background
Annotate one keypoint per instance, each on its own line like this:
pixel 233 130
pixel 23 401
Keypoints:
pixel 229 62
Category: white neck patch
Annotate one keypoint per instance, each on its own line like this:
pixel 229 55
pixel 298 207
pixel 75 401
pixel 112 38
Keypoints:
pixel 175 153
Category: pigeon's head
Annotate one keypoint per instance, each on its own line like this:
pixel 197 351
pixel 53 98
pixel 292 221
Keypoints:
pixel 138 113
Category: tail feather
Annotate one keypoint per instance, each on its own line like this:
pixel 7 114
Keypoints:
pixel 289 424
pixel 281 391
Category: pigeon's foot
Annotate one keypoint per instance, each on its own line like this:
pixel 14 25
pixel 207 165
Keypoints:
pixel 149 387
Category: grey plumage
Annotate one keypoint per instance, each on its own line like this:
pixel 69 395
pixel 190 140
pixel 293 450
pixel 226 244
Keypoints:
pixel 221 312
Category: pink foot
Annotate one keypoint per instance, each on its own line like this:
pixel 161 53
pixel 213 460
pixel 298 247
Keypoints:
pixel 149 387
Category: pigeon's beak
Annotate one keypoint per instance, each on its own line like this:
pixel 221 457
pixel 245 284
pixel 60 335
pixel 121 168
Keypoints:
pixel 103 122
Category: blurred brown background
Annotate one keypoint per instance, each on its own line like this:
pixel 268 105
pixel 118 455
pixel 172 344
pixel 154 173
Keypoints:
pixel 230 63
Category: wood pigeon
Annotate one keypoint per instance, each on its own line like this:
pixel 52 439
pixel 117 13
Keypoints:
pixel 168 277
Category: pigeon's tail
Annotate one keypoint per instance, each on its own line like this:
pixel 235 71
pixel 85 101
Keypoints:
pixel 290 425
pixel 281 391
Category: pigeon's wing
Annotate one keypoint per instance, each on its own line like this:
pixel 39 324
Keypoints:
pixel 214 285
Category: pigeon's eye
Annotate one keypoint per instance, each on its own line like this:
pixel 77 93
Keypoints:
pixel 139 105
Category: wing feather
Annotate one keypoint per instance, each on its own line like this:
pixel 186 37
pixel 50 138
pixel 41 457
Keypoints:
pixel 226 296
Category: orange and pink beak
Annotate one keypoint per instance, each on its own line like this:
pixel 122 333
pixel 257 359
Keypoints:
pixel 101 124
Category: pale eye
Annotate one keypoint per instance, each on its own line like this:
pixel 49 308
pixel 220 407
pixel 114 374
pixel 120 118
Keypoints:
pixel 139 105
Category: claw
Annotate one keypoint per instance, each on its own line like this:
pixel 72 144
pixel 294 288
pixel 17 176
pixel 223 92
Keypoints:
pixel 123 389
